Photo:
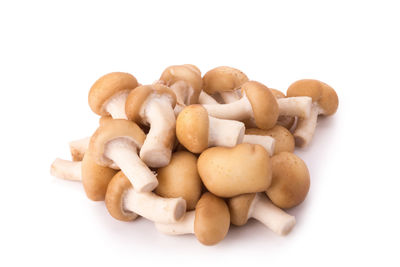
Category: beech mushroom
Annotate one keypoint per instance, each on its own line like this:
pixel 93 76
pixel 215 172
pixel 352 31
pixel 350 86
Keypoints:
pixel 209 222
pixel 197 131
pixel 154 105
pixel 108 94
pixel 325 102
pixel 259 207
pixel 124 203
pixel 257 103
pixel 290 180
pixel 265 141
pixel 284 140
pixel 228 172
pixel 180 178
pixel 225 81
pixel 115 144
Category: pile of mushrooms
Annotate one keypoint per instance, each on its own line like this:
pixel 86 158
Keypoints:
pixel 196 154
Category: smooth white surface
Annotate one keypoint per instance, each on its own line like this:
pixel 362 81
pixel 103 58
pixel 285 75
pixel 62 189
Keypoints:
pixel 52 52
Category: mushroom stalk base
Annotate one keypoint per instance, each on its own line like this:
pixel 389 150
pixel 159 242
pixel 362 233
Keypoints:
pixel 115 106
pixel 184 226
pixel 205 98
pixel 266 141
pixel 295 106
pixel 78 148
pixel 226 133
pixel 306 127
pixel 65 169
pixel 238 110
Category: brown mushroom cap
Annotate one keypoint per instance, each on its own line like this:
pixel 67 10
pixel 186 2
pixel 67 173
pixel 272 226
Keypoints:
pixel 180 179
pixel 290 180
pixel 228 172
pixel 212 219
pixel 112 129
pixel 239 207
pixel 192 128
pixel 107 86
pixel 223 79
pixel 277 94
pixel 284 140
pixel 263 102
pixel 117 188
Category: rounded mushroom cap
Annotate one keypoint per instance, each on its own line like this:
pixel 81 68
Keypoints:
pixel 212 219
pixel 192 128
pixel 284 140
pixel 290 180
pixel 264 105
pixel 180 179
pixel 116 191
pixel 277 94
pixel 112 129
pixel 95 178
pixel 107 86
pixel 137 99
pixel 239 207
pixel 320 92
pixel 222 79
pixel 228 172
pixel 193 67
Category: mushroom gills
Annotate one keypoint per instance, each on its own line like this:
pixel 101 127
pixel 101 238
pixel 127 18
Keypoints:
pixel 265 141
pixel 66 169
pixel 227 133
pixel 184 226
pixel 115 106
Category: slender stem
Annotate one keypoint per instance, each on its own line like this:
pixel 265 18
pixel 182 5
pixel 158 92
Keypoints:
pixel 78 148
pixel 306 127
pixel 66 169
pixel 239 110
pixel 115 106
pixel 266 141
pixel 184 226
pixel 295 106
pixel 205 98
pixel 226 133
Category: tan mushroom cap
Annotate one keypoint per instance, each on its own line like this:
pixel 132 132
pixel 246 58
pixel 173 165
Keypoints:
pixel 192 128
pixel 107 86
pixel 284 140
pixel 116 191
pixel 239 207
pixel 263 102
pixel 290 180
pixel 212 219
pixel 180 179
pixel 277 94
pixel 193 67
pixel 109 130
pixel 138 97
pixel 95 178
pixel 320 92
pixel 228 172
pixel 223 79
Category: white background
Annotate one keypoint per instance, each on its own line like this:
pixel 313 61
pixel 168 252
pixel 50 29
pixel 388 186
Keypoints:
pixel 51 53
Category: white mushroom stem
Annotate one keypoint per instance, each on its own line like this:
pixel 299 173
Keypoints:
pixel 153 207
pixel 184 226
pixel 115 106
pixel 229 96
pixel 78 148
pixel 266 141
pixel 205 98
pixel 157 148
pixel 306 127
pixel 271 216
pixel 226 133
pixel 238 110
pixel 295 106
pixel 123 152
pixel 66 169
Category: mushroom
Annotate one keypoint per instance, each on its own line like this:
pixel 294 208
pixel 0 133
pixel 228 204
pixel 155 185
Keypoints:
pixel 259 207
pixel 115 144
pixel 124 203
pixel 154 105
pixel 196 130
pixel 325 102
pixel 228 172
pixel 290 180
pixel 225 81
pixel 284 140
pixel 205 98
pixel 180 179
pixel 209 222
pixel 108 94
pixel 78 148
pixel 257 103
pixel 263 140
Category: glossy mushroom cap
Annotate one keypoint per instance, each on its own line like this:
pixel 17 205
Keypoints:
pixel 212 219
pixel 284 140
pixel 106 87
pixel 239 208
pixel 223 79
pixel 290 180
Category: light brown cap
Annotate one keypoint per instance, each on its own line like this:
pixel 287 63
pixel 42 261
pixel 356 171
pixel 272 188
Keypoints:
pixel 193 67
pixel 228 172
pixel 138 97
pixel 107 86
pixel 117 188
pixel 290 180
pixel 320 92
pixel 212 219
pixel 112 129
pixel 180 179
pixel 104 119
pixel 284 140
pixel 192 128
pixel 278 94
pixel 263 102
pixel 223 79
pixel 239 208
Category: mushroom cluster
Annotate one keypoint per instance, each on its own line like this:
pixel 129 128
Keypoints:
pixel 196 154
